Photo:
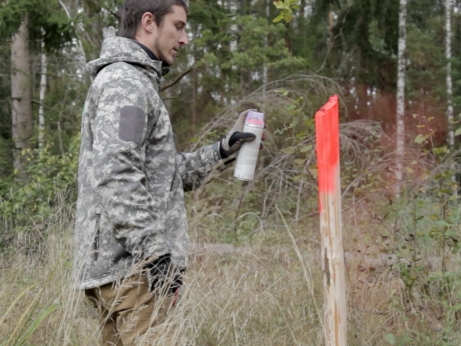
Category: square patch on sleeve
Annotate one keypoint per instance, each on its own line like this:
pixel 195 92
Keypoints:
pixel 132 123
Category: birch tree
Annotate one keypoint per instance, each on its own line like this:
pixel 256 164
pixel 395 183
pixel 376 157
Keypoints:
pixel 21 93
pixel 400 118
pixel 43 81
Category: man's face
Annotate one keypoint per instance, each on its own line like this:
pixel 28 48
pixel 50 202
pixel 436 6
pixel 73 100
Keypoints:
pixel 171 35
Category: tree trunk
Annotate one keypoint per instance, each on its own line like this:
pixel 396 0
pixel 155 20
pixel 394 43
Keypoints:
pixel 400 118
pixel 288 38
pixel 362 91
pixel 450 137
pixel 43 81
pixel 168 100
pixel 21 92
pixel 330 27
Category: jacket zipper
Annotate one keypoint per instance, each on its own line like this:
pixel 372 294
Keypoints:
pixel 96 239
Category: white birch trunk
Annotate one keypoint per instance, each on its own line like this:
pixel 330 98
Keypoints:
pixel 400 116
pixel 43 81
pixel 451 137
pixel 21 94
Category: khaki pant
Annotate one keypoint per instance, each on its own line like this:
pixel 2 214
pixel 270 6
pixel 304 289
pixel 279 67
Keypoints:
pixel 127 311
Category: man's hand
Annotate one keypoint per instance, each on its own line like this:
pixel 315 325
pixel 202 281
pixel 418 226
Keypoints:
pixel 234 139
pixel 162 277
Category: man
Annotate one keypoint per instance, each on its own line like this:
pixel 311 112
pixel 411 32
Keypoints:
pixel 131 227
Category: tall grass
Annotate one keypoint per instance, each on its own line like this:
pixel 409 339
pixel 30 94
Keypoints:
pixel 259 297
pixel 267 292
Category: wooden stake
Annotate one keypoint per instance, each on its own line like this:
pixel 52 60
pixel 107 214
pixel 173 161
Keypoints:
pixel 327 132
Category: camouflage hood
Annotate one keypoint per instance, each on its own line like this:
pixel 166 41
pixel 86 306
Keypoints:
pixel 121 49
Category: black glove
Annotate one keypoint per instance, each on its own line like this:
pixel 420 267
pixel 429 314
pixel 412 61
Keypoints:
pixel 234 139
pixel 163 277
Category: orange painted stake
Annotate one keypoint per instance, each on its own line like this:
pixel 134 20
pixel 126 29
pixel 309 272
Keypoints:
pixel 334 282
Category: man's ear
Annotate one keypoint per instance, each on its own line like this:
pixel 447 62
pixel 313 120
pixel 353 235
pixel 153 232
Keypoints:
pixel 148 22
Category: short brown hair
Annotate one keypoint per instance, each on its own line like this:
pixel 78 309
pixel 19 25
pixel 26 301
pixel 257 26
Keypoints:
pixel 133 10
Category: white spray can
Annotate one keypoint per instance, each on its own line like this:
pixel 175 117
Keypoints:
pixel 248 153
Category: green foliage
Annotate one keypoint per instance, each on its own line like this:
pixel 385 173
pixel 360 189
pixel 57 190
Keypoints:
pixel 41 15
pixel 47 177
pixel 426 70
pixel 426 242
pixel 366 35
pixel 92 16
pixel 421 229
pixel 286 8
pixel 30 321
pixel 299 143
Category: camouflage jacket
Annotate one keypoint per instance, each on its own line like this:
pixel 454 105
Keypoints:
pixel 131 180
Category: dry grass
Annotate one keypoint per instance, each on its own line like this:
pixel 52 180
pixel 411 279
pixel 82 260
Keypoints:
pixel 257 298
pixel 265 289
pixel 266 295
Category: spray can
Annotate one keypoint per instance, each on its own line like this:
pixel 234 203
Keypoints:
pixel 248 154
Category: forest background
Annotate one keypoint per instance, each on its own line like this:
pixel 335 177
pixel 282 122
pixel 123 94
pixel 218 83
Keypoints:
pixel 254 276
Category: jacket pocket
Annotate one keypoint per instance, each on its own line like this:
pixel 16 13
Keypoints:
pixel 96 237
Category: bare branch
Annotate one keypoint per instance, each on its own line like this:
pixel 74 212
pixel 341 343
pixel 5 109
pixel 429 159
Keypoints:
pixel 115 14
pixel 181 76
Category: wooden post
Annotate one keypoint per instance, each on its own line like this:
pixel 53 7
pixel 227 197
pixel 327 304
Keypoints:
pixel 327 132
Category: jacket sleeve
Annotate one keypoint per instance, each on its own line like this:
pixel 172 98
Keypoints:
pixel 119 129
pixel 200 167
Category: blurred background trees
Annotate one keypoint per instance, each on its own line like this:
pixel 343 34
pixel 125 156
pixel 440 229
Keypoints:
pixel 242 54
